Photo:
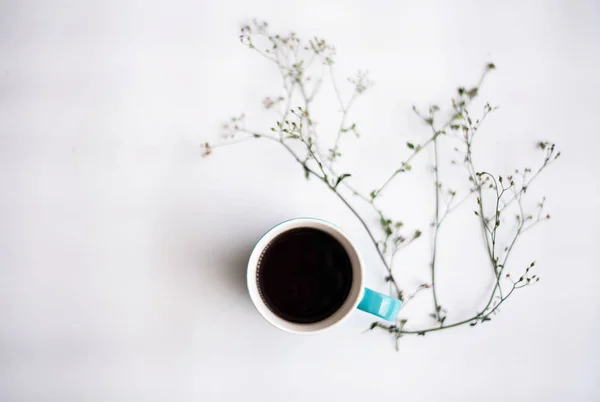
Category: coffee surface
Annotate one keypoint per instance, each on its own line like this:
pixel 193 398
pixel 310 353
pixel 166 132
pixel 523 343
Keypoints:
pixel 305 275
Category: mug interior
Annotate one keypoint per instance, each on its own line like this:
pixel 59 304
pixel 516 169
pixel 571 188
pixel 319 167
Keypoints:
pixel 356 289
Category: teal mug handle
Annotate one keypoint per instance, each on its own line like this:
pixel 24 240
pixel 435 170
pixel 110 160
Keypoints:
pixel 378 304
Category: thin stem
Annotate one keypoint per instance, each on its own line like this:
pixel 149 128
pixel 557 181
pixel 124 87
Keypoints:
pixel 309 147
pixel 262 53
pixel 436 227
pixel 335 87
pixel 451 208
pixel 366 227
pixel 426 143
pixel 408 299
pixel 531 225
pixel 345 109
pixel 518 232
pixel 462 322
pixel 526 184
pixel 401 170
pixel 478 187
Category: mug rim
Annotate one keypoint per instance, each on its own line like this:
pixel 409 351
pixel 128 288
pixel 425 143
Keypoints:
pixel 349 305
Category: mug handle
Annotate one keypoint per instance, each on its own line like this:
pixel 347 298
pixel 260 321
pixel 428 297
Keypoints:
pixel 381 305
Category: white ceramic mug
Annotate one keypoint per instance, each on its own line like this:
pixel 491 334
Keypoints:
pixel 359 297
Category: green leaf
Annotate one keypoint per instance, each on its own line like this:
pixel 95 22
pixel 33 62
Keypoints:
pixel 472 92
pixel 399 239
pixel 385 222
pixel 339 179
pixel 306 172
pixel 410 145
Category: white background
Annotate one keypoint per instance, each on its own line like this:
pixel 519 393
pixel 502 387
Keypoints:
pixel 122 251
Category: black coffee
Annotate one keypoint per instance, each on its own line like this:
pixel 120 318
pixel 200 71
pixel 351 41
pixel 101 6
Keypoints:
pixel 304 275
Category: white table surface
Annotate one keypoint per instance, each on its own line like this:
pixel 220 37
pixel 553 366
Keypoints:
pixel 122 252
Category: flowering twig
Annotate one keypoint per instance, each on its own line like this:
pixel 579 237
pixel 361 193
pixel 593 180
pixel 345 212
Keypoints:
pixel 302 66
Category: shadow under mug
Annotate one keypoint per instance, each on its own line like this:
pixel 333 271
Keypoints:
pixel 359 297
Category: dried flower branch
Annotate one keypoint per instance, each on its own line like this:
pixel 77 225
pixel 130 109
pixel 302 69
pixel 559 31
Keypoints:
pixel 302 67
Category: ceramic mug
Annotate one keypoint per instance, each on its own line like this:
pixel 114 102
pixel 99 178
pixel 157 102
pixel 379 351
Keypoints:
pixel 359 297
